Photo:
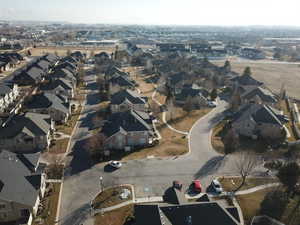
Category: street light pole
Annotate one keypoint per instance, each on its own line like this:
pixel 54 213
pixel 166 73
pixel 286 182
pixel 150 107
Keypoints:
pixel 101 184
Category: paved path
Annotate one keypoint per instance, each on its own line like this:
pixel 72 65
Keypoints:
pixel 257 188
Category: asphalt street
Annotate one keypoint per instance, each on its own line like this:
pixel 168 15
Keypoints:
pixel 150 177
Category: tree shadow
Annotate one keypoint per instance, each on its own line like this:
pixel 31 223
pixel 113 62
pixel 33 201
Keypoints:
pixel 81 159
pixel 78 216
pixel 211 166
pixel 93 99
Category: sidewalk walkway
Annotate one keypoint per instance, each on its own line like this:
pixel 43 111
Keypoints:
pixel 257 188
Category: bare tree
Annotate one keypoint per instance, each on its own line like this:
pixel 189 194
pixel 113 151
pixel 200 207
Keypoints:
pixel 54 169
pixel 95 144
pixel 171 109
pixel 188 105
pixel 245 163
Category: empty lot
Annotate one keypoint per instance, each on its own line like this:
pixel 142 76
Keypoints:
pixel 272 74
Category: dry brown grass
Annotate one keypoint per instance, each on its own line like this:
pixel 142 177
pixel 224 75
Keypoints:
pixel 110 197
pixel 184 121
pixel 49 213
pixel 216 139
pixel 62 51
pixel 231 183
pixel 116 217
pixel 273 75
pixel 59 146
pixel 250 203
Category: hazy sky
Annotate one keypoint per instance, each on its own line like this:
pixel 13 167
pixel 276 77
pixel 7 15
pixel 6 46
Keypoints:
pixel 182 12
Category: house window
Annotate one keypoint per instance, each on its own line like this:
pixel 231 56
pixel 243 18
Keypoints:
pixel 25 213
pixel 2 206
pixel 28 139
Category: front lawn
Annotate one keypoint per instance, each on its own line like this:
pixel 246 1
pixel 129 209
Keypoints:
pixel 184 121
pixel 59 146
pixel 116 217
pixel 110 197
pixel 250 203
pixel 231 183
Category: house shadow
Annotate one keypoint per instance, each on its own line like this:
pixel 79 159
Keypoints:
pixel 81 159
pixel 109 169
pixel 211 166
pixel 78 216
pixel 87 121
pixel 93 99
pixel 92 86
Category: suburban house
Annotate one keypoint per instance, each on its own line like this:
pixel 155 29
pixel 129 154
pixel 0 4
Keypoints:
pixel 51 58
pixel 78 55
pixel 252 53
pixel 113 71
pixel 59 86
pixel 172 47
pixel 3 66
pixel 118 83
pixel 70 59
pixel 196 96
pixel 67 65
pixel 259 95
pixel 22 186
pixel 257 120
pixel 46 103
pixel 245 80
pixel 28 76
pixel 127 130
pixel 175 82
pixel 178 211
pixel 101 56
pixel 65 74
pixel 127 99
pixel 26 133
pixel 8 94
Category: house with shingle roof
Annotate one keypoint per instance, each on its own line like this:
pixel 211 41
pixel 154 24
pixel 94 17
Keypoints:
pixel 259 95
pixel 21 187
pixel 246 80
pixel 257 120
pixel 26 133
pixel 126 130
pixel 127 99
pixel 65 74
pixel 28 76
pixel 118 83
pixel 51 104
pixel 59 86
pixel 182 212
pixel 8 94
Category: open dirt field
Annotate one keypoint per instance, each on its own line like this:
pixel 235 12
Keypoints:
pixel 62 51
pixel 273 75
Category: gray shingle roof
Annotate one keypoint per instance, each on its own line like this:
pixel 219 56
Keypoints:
pixel 263 93
pixel 4 89
pixel 19 184
pixel 128 121
pixel 247 80
pixel 52 84
pixel 129 95
pixel 46 100
pixel 32 124
pixel 121 81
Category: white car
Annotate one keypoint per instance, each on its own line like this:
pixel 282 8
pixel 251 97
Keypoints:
pixel 217 186
pixel 115 164
pixel 211 104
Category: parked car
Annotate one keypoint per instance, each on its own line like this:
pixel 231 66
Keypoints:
pixel 115 164
pixel 197 186
pixel 211 104
pixel 217 186
pixel 177 184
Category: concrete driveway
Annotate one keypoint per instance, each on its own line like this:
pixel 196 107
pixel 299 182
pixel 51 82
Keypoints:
pixel 150 177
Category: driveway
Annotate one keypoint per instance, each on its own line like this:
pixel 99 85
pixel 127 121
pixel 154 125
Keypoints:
pixel 151 177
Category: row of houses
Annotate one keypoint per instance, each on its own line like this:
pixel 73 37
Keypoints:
pixel 130 124
pixel 27 132
pixel 9 60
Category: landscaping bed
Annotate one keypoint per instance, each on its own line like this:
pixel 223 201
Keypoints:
pixel 110 197
pixel 59 146
pixel 48 214
pixel 231 183
pixel 250 204
pixel 115 217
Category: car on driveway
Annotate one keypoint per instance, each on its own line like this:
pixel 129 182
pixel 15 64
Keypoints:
pixel 211 104
pixel 217 186
pixel 115 164
pixel 197 186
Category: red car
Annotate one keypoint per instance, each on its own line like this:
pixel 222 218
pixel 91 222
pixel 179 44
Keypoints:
pixel 197 185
